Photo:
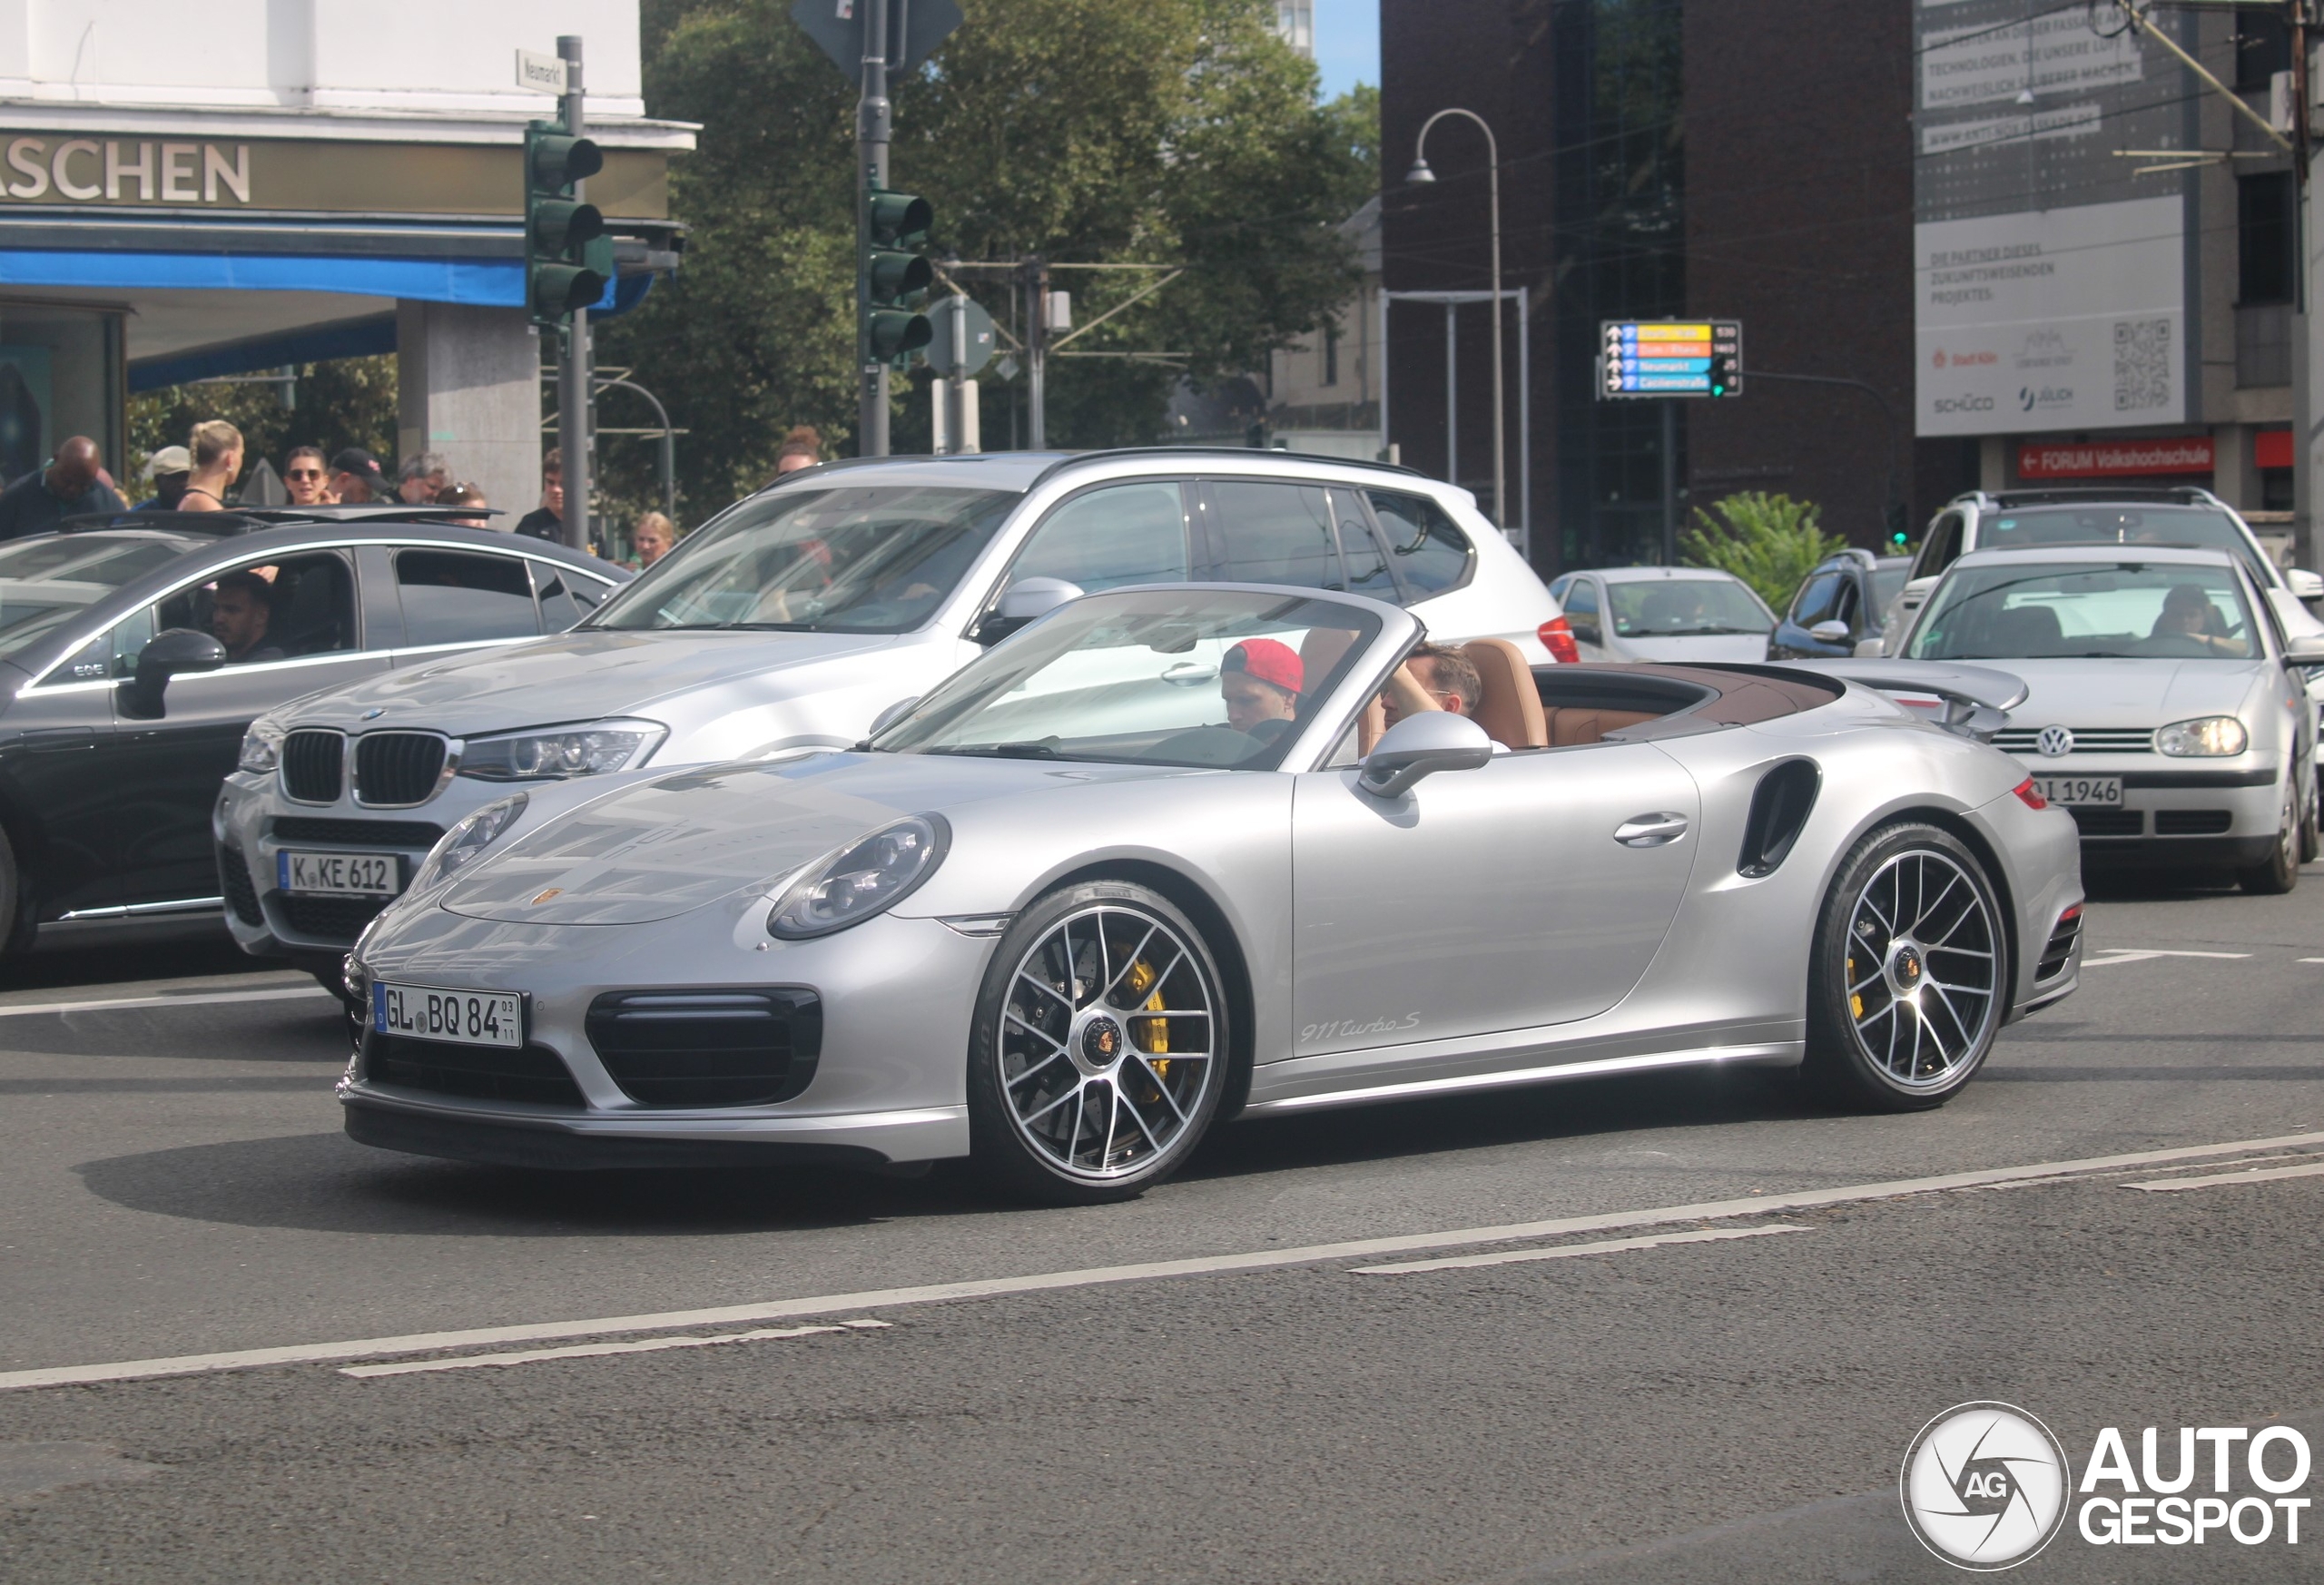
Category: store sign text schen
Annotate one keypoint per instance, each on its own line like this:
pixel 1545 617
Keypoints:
pixel 2115 458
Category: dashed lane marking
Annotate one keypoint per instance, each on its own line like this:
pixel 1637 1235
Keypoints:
pixel 2224 1180
pixel 1095 1277
pixel 124 1003
pixel 468 1362
pixel 1566 1251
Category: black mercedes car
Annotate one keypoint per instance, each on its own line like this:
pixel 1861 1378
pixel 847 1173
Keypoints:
pixel 136 648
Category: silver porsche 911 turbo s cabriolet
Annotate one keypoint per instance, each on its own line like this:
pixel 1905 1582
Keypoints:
pixel 1157 861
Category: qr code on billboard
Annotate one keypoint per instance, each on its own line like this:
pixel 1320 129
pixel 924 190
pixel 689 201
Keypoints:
pixel 2142 364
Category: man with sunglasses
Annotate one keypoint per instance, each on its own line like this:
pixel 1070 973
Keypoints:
pixel 304 475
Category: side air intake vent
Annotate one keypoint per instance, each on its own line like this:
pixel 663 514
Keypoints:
pixel 1779 808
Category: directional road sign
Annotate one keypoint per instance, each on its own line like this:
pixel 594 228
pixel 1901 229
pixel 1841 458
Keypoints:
pixel 915 27
pixel 1670 358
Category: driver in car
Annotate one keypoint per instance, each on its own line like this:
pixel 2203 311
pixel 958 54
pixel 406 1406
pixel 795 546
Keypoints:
pixel 1260 679
pixel 2188 613
pixel 1435 676
pixel 239 615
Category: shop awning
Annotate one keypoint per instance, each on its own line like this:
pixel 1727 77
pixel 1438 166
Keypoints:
pixel 484 282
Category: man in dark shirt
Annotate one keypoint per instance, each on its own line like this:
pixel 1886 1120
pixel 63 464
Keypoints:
pixel 71 485
pixel 239 614
pixel 547 521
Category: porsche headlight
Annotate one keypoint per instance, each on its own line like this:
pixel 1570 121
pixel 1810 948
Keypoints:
pixel 2207 737
pixel 466 842
pixel 262 747
pixel 867 877
pixel 555 754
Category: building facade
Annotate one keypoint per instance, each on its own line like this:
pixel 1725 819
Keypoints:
pixel 266 182
pixel 1795 167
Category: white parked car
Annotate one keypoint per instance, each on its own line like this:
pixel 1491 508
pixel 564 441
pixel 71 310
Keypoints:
pixel 1679 615
pixel 794 620
pixel 2166 709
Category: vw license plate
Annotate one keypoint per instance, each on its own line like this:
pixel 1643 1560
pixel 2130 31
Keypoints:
pixel 345 874
pixel 2105 791
pixel 462 1018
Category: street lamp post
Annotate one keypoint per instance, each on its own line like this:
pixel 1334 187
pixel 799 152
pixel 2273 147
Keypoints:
pixel 1420 176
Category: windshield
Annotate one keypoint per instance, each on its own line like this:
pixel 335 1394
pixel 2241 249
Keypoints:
pixel 44 583
pixel 1196 677
pixel 1681 607
pixel 2128 610
pixel 866 559
pixel 2184 527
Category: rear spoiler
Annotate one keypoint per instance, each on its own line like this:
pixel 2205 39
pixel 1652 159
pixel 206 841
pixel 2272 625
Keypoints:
pixel 1972 701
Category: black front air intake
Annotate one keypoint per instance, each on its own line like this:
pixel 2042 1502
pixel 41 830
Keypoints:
pixel 1780 805
pixel 530 1073
pixel 742 1048
pixel 396 769
pixel 311 766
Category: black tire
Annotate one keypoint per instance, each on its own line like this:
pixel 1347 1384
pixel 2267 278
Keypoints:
pixel 2280 872
pixel 2312 824
pixel 17 926
pixel 1069 1035
pixel 1903 1011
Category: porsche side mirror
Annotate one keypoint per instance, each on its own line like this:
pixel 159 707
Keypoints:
pixel 1831 633
pixel 2303 584
pixel 1422 745
pixel 168 654
pixel 1022 604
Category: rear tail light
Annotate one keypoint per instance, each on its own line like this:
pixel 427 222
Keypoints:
pixel 2028 796
pixel 1557 637
pixel 2070 914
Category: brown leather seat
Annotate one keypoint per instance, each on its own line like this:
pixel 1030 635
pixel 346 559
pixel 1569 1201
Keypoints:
pixel 1571 726
pixel 1509 708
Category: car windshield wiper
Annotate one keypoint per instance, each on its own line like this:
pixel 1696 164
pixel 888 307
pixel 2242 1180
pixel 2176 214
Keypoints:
pixel 1007 750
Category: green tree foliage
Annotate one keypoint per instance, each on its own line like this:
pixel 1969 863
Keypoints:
pixel 1770 542
pixel 1169 131
pixel 348 401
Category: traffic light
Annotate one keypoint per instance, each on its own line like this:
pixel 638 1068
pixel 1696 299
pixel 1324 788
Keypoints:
pixel 568 258
pixel 895 274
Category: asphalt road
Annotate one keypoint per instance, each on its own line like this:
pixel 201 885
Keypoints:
pixel 1731 1405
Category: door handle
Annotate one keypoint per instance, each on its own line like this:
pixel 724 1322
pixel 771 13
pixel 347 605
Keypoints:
pixel 1650 831
pixel 50 739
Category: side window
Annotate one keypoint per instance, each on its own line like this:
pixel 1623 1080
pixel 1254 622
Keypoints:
pixel 1366 558
pixel 1115 535
pixel 1430 550
pixel 1943 545
pixel 1817 596
pixel 1844 604
pixel 1271 533
pixel 464 596
pixel 261 610
pixel 566 596
pixel 1581 603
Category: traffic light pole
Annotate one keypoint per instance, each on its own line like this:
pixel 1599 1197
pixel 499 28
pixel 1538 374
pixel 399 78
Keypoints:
pixel 573 383
pixel 1037 346
pixel 874 120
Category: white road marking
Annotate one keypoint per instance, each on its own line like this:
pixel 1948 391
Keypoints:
pixel 122 1002
pixel 1095 1277
pixel 2218 1180
pixel 1563 1251
pixel 592 1350
pixel 2141 954
pixel 2313 960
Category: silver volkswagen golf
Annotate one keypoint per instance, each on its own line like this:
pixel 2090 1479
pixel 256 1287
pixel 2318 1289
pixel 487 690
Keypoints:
pixel 1157 861
pixel 790 622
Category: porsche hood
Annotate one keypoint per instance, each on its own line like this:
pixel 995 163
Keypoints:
pixel 678 842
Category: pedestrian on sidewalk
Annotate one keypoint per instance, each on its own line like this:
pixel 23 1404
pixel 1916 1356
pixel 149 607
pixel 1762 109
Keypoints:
pixel 217 447
pixel 72 484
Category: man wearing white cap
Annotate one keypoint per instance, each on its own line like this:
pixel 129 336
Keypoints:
pixel 169 468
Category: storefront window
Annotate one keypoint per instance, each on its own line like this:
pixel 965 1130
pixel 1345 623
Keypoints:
pixel 60 375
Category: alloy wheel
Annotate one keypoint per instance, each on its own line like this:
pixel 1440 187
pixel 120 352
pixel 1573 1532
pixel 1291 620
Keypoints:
pixel 1922 967
pixel 1108 1042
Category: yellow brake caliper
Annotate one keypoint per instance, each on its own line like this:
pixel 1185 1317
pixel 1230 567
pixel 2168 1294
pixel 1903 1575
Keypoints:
pixel 1855 1001
pixel 1142 979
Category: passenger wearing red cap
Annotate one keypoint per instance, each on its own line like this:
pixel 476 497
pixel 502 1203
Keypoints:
pixel 1260 680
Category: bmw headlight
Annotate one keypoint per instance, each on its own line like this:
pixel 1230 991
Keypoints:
pixel 262 747
pixel 466 842
pixel 867 877
pixel 2207 737
pixel 555 754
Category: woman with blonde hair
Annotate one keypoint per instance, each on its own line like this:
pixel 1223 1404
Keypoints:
pixel 651 540
pixel 217 447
